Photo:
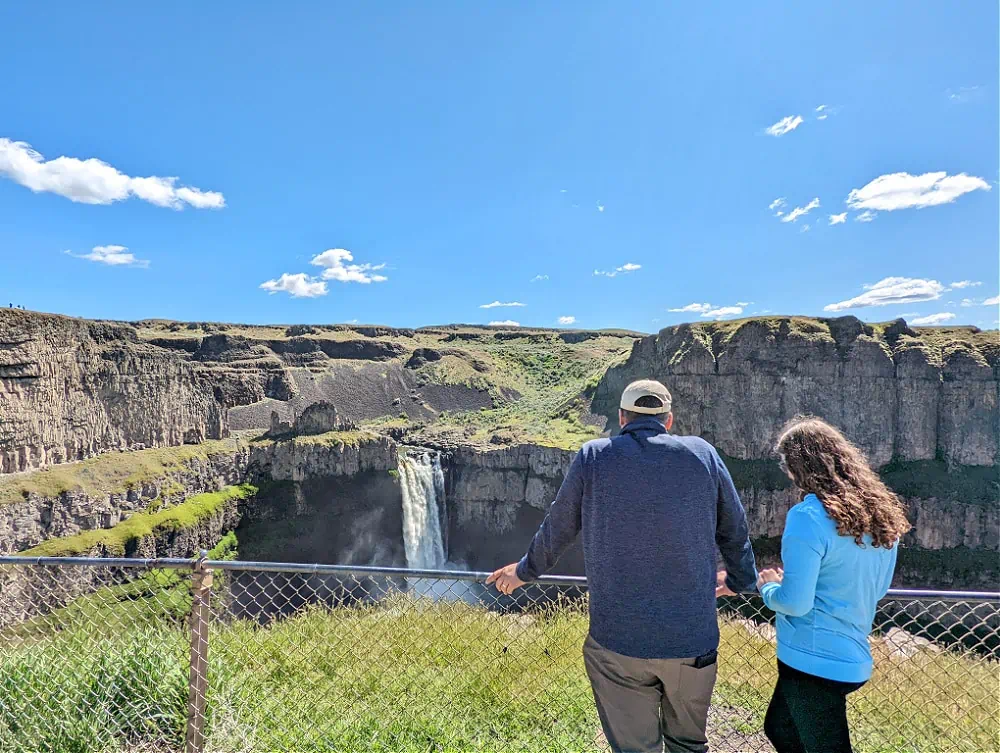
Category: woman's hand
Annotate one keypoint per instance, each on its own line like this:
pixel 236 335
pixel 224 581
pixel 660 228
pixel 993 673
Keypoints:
pixel 770 575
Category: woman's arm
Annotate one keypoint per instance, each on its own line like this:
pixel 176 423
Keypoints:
pixel 801 552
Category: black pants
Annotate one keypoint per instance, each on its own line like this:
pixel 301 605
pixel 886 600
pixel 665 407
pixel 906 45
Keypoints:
pixel 808 714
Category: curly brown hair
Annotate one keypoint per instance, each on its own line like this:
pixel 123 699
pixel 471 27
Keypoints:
pixel 822 461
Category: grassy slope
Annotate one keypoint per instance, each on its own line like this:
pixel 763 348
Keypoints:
pixel 112 472
pixel 141 524
pixel 409 676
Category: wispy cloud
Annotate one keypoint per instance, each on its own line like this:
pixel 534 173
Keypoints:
pixel 567 320
pixel 708 311
pixel 505 323
pixel 892 291
pixel 539 278
pixel 962 284
pixel 600 207
pixel 932 319
pixel 500 304
pixel 969 302
pixel 298 285
pixel 806 228
pixel 115 256
pixel 777 203
pixel 334 267
pixel 785 125
pixel 904 191
pixel 623 269
pixel 692 308
pixel 801 211
pixel 825 111
pixel 866 216
pixel 838 219
pixel 722 312
pixel 964 94
pixel 91 181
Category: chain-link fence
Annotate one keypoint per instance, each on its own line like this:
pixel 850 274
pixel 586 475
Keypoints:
pixel 171 655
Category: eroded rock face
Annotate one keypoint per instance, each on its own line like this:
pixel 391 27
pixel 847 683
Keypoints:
pixel 897 394
pixel 70 388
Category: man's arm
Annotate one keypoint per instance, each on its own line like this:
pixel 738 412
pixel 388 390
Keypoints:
pixel 732 534
pixel 558 530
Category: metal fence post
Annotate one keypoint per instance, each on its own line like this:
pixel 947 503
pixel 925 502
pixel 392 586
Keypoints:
pixel 201 591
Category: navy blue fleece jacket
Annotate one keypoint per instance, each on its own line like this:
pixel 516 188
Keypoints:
pixel 652 508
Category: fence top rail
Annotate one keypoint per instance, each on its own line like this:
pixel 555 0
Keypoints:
pixel 401 572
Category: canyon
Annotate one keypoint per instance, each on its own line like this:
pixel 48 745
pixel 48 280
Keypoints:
pixel 102 422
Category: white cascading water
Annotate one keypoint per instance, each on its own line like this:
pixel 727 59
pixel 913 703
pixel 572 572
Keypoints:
pixel 422 481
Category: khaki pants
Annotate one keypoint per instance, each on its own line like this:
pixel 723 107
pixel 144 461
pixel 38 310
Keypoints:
pixel 645 704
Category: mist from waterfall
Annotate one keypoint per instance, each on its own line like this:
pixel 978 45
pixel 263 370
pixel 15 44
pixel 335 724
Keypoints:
pixel 422 482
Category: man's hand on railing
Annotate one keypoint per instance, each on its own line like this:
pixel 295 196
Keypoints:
pixel 721 589
pixel 505 579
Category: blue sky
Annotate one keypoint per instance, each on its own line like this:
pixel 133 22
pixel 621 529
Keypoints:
pixel 409 163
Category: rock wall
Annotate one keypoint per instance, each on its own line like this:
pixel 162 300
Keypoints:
pixel 498 498
pixel 900 394
pixel 70 388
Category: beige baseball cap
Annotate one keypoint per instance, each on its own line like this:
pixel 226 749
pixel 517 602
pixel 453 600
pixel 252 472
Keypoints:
pixel 646 388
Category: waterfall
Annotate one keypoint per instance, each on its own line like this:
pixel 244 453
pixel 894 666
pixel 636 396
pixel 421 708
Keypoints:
pixel 422 482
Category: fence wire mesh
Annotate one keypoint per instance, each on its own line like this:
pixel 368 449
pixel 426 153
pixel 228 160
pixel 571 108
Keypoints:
pixel 123 657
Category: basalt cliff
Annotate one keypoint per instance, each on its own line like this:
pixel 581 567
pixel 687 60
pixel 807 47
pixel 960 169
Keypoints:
pixel 153 413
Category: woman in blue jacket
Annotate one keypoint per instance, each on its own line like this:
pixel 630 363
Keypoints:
pixel 838 553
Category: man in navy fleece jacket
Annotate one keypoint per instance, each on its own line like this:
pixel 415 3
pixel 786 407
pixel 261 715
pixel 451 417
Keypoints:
pixel 652 508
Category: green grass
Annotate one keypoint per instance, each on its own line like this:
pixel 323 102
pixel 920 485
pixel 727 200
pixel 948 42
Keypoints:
pixel 407 675
pixel 113 540
pixel 112 472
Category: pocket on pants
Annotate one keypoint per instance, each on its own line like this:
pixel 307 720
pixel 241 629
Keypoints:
pixel 697 684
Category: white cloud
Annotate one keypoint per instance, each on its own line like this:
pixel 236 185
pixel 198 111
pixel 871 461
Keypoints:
pixel 800 211
pixel 505 323
pixel 567 320
pixel 964 94
pixel 623 269
pixel 965 284
pixel 332 260
pixel 498 304
pixel 838 219
pixel 805 228
pixel 298 285
pixel 932 319
pixel 904 191
pixel 722 312
pixel 866 216
pixel 707 311
pixel 693 308
pixel 600 207
pixel 538 278
pixel 744 303
pixel 892 291
pixel 777 203
pixel 116 256
pixel 994 301
pixel 825 111
pixel 967 302
pixel 91 181
pixel 785 125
